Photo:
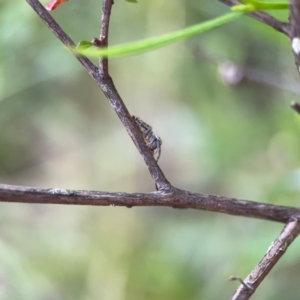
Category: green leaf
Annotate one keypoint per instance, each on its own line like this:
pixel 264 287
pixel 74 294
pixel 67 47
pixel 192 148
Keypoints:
pixel 243 8
pixel 83 45
pixel 263 5
pixel 157 42
pixel 132 1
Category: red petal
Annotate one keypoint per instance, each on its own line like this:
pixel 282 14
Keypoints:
pixel 54 4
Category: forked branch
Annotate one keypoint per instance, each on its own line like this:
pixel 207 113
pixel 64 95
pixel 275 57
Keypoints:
pixel 106 84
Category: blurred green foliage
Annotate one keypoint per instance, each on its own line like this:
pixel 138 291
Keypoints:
pixel 58 130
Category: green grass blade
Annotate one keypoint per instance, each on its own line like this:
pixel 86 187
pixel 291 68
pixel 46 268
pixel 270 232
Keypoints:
pixel 157 42
pixel 262 5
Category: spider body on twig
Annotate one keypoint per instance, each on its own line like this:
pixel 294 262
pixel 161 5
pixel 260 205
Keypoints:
pixel 153 141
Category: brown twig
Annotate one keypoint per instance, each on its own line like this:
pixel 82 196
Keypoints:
pixel 264 18
pixel 105 20
pixel 236 278
pixel 294 32
pixel 176 199
pixel 106 84
pixel 275 251
pixel 118 105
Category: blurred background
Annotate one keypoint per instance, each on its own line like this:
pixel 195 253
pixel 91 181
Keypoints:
pixel 221 104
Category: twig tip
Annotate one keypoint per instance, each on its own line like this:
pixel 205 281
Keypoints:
pixel 234 278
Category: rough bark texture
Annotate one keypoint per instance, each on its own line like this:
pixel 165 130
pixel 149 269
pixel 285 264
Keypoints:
pixel 294 32
pixel 175 198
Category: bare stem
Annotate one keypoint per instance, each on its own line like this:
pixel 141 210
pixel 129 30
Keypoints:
pixel 176 199
pixel 105 20
pixel 275 251
pixel 108 88
pixel 294 35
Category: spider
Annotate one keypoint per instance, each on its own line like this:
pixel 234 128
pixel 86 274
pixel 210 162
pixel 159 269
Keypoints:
pixel 153 141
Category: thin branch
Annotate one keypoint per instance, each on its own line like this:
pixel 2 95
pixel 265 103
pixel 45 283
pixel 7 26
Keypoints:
pixel 275 251
pixel 176 199
pixel 120 108
pixel 105 20
pixel 294 35
pixel 106 84
pixel 236 278
pixel 264 18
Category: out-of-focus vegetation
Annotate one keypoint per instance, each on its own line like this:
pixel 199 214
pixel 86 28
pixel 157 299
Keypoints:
pixel 58 130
